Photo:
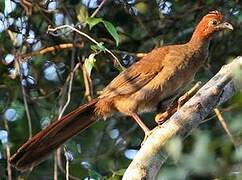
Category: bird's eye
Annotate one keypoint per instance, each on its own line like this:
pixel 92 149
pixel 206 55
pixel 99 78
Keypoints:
pixel 214 22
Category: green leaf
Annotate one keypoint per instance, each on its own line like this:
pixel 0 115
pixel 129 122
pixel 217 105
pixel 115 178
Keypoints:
pixel 109 26
pixel 89 63
pixel 93 22
pixel 98 47
pixel 112 30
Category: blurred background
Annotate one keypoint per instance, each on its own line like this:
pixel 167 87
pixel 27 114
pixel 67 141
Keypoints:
pixel 45 74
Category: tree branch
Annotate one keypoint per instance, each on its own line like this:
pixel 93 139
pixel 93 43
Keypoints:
pixel 218 90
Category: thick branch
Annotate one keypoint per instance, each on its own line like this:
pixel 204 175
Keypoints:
pixel 218 90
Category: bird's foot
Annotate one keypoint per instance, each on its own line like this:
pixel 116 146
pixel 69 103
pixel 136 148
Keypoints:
pixel 160 118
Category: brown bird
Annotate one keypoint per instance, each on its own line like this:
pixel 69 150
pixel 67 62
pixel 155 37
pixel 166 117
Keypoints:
pixel 159 76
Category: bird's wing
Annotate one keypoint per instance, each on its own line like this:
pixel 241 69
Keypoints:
pixel 136 76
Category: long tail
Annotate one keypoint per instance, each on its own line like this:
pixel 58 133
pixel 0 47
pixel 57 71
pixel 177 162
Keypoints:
pixel 43 143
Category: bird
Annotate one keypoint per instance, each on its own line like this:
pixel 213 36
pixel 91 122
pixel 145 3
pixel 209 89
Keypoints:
pixel 155 79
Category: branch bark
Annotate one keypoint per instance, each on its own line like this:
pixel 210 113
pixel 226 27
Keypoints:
pixel 215 92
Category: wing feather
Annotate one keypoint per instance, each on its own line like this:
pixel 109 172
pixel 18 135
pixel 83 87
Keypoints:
pixel 136 76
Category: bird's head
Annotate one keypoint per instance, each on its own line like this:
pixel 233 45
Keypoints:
pixel 210 24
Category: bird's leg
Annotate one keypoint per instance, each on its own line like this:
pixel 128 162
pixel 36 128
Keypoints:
pixel 162 117
pixel 185 97
pixel 142 125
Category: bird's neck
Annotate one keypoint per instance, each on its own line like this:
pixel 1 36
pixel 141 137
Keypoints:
pixel 199 41
pixel 201 36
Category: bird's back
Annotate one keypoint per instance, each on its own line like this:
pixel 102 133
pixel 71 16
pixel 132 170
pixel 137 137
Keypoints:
pixel 160 74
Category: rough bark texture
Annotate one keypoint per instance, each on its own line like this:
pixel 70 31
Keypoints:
pixel 218 90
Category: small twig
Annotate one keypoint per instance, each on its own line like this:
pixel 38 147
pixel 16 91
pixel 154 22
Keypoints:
pixel 221 110
pixel 49 50
pixel 11 35
pixel 44 14
pixel 67 169
pixel 8 162
pixel 208 119
pixel 44 96
pixel 9 170
pixel 25 100
pixel 67 164
pixel 224 125
pixel 63 106
pixel 88 37
pixel 62 109
pixel 55 166
pixel 69 90
pixel 53 48
pixel 98 9
pixel 27 6
pixel 60 166
pixel 138 55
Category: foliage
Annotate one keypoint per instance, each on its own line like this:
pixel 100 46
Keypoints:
pixel 35 76
pixel 109 26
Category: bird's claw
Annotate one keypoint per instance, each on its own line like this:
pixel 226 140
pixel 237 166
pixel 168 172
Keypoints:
pixel 161 117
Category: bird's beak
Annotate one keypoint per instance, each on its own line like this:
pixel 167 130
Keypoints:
pixel 226 25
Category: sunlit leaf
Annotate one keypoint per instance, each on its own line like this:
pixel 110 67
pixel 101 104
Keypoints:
pixel 109 26
pixel 99 47
pixel 93 22
pixel 89 63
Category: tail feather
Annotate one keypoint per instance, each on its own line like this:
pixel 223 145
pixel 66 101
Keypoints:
pixel 42 144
